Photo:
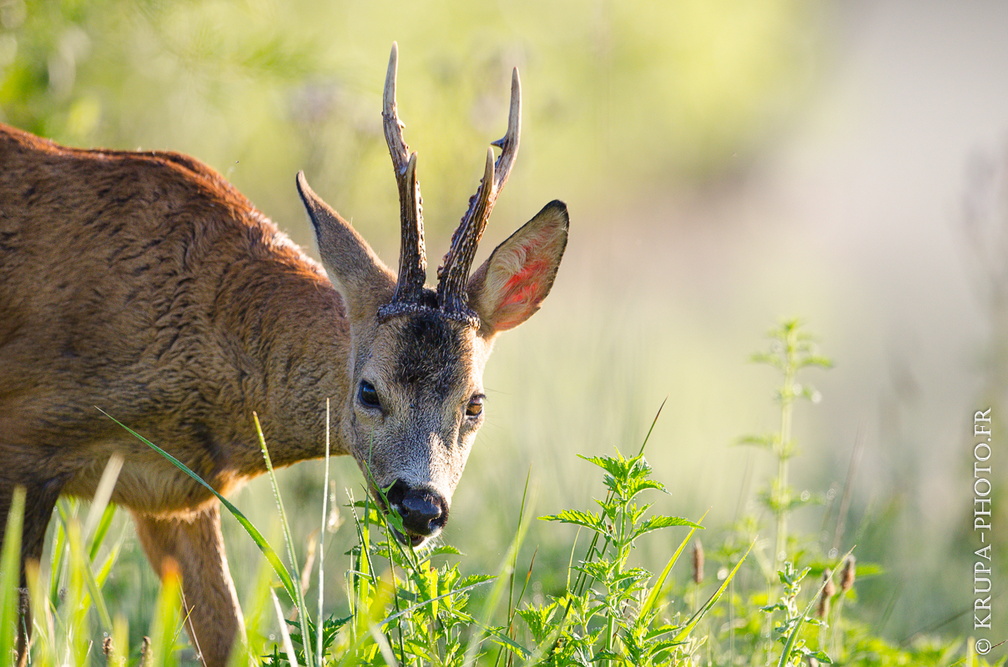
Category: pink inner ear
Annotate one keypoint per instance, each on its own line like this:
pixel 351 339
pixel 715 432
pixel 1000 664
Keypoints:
pixel 515 299
pixel 524 288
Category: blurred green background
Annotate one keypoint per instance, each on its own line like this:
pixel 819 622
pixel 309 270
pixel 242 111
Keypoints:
pixel 726 164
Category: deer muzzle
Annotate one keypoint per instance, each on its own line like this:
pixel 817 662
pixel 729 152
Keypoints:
pixel 423 511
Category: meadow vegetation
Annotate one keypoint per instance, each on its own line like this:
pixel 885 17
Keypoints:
pixel 628 105
pixel 759 593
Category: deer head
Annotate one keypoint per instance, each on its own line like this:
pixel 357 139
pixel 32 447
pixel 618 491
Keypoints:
pixel 417 354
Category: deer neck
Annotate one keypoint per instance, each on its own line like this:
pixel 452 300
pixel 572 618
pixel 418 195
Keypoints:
pixel 297 341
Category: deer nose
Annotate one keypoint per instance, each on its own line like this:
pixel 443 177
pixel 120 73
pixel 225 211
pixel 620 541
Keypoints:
pixel 424 512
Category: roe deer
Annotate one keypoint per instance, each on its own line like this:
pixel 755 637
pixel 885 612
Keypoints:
pixel 144 284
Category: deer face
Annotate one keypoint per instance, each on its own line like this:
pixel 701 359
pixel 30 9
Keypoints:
pixel 415 406
pixel 415 394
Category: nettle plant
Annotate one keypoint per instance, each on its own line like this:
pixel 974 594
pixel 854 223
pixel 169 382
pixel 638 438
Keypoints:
pixel 614 613
pixel 788 622
pixel 791 350
pixel 404 610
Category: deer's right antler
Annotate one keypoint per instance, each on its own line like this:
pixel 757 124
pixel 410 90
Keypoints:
pixel 453 274
pixel 454 271
pixel 412 258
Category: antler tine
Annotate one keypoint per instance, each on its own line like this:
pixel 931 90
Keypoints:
pixel 509 142
pixel 412 258
pixel 392 125
pixel 454 271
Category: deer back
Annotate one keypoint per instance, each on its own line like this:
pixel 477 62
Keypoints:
pixel 146 285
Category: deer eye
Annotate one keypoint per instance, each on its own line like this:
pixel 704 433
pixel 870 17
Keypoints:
pixel 475 406
pixel 368 395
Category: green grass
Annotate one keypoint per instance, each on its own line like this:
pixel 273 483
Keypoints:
pixel 776 598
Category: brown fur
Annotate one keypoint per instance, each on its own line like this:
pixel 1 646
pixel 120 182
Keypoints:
pixel 145 285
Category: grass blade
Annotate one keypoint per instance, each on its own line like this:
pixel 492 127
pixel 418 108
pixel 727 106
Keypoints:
pixel 700 613
pixel 166 624
pixel 284 634
pixel 652 596
pixel 102 495
pixel 43 645
pixel 10 574
pixel 79 560
pixel 281 570
pixel 651 428
pixel 304 618
pixel 321 544
pixel 102 573
pixel 58 566
pixel 507 565
pixel 101 531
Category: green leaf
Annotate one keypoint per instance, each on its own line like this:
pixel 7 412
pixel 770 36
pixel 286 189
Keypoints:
pixel 600 570
pixel 579 518
pixel 501 639
pixel 767 359
pixel 432 601
pixel 815 360
pixel 472 579
pixel 538 619
pixel 618 466
pixel 442 550
pixel 766 441
pixel 659 521
pixel 635 486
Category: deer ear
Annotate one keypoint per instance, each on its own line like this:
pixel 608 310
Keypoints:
pixel 509 287
pixel 360 276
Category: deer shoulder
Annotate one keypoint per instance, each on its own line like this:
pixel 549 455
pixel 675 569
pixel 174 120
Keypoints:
pixel 144 284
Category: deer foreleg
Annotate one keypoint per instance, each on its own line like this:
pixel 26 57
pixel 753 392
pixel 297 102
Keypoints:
pixel 213 617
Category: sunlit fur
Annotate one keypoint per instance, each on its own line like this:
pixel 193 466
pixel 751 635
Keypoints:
pixel 145 285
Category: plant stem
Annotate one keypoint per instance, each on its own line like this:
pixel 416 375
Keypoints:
pixel 782 492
